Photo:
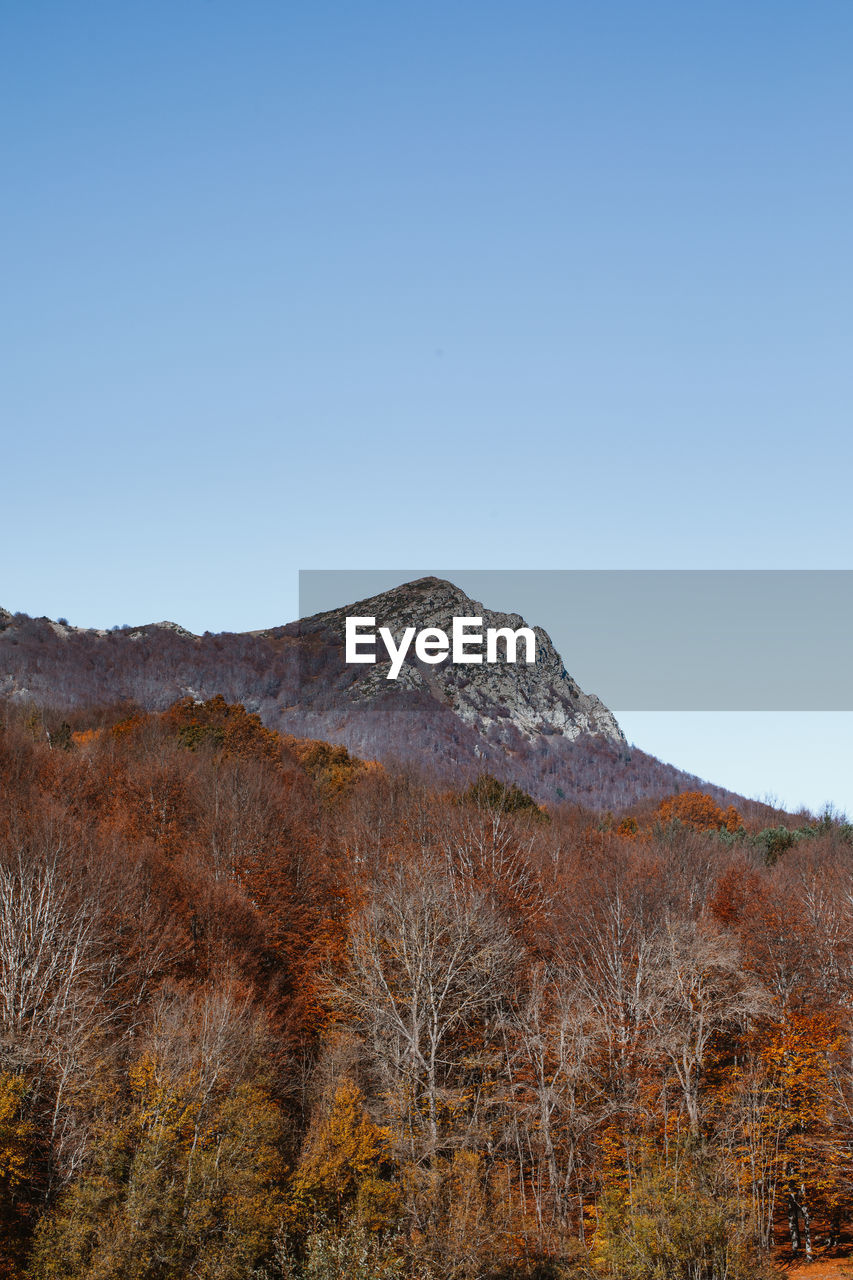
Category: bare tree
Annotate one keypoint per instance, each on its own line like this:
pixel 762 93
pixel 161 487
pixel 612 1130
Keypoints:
pixel 698 990
pixel 51 1008
pixel 609 939
pixel 556 1092
pixel 425 963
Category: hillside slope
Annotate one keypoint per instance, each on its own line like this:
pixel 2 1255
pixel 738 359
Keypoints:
pixel 531 725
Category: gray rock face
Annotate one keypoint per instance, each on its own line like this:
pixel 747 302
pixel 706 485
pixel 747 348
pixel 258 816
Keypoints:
pixel 175 627
pixel 495 698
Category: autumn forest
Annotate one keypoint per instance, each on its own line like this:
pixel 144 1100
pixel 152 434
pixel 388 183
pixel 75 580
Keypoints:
pixel 268 1010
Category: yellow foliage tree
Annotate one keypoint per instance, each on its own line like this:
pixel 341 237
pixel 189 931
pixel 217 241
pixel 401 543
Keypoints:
pixel 675 1220
pixel 342 1165
pixel 15 1139
pixel 186 1182
pixel 813 1163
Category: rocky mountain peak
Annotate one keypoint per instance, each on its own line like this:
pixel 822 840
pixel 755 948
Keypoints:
pixel 496 698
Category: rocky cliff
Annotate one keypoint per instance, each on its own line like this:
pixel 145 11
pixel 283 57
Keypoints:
pixel 541 698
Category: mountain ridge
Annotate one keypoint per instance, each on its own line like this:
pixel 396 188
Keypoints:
pixel 532 726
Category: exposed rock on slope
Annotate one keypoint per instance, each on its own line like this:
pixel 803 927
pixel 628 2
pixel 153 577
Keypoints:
pixel 530 725
pixel 493 698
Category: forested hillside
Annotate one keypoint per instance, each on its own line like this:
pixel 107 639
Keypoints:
pixel 270 1011
pixel 531 726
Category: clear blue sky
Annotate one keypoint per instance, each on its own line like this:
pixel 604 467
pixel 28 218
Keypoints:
pixel 549 285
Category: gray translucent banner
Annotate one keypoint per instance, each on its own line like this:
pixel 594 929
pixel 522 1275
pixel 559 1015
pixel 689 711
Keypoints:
pixel 662 640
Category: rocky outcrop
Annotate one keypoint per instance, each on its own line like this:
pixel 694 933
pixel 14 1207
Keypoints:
pixel 531 725
pixel 494 698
